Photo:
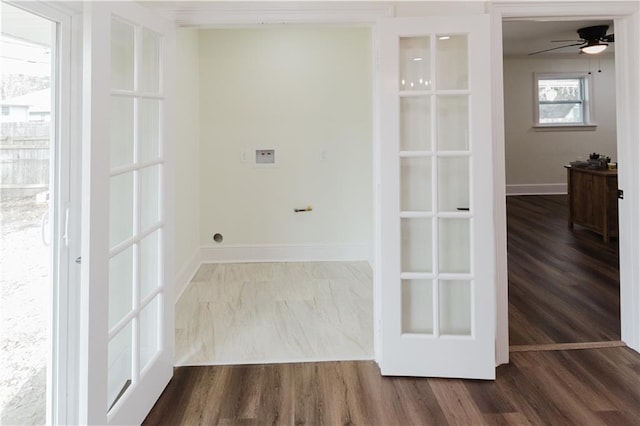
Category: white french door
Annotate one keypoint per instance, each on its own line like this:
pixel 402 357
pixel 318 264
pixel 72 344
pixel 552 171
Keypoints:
pixel 438 303
pixel 127 300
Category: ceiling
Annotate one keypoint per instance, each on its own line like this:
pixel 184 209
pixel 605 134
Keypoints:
pixel 523 37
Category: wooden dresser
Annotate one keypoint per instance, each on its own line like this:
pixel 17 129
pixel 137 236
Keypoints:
pixel 593 200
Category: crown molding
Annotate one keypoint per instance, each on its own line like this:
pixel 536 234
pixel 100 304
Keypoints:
pixel 209 14
pixel 552 10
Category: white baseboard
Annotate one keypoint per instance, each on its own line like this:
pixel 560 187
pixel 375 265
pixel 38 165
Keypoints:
pixel 274 361
pixel 537 189
pixel 186 273
pixel 286 253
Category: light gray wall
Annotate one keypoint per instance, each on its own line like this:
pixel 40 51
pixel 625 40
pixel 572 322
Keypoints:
pixel 188 148
pixel 307 93
pixel 537 157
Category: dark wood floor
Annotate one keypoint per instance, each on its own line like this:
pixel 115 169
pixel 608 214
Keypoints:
pixel 579 387
pixel 563 283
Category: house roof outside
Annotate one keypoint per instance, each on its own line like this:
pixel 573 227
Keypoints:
pixel 38 101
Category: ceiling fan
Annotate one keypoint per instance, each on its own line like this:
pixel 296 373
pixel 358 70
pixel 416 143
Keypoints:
pixel 592 40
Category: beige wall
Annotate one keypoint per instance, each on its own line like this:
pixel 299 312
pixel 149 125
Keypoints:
pixel 307 93
pixel 537 157
pixel 187 147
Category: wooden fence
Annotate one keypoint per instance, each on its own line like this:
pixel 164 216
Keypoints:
pixel 24 158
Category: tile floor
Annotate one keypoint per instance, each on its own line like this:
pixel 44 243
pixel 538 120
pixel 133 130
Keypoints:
pixel 249 313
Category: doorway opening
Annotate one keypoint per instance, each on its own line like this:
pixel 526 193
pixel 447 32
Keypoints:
pixel 289 280
pixel 28 200
pixel 564 282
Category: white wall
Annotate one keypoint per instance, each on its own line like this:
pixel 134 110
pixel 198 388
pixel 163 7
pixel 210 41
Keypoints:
pixel 537 158
pixel 187 153
pixel 307 93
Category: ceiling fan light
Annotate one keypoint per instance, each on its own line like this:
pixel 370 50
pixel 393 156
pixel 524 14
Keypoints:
pixel 593 49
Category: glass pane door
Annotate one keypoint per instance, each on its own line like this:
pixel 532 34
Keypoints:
pixel 435 212
pixel 29 204
pixel 435 138
pixel 135 218
pixel 127 351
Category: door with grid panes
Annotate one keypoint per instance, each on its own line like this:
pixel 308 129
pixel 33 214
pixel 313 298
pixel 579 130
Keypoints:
pixel 438 307
pixel 127 339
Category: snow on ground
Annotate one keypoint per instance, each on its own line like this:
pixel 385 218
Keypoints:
pixel 25 291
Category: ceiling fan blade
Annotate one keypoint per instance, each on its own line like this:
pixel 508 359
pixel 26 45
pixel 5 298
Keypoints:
pixel 556 48
pixel 609 38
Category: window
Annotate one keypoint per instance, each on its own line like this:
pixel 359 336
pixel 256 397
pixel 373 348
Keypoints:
pixel 563 100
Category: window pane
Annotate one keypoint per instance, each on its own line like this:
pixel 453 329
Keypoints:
pixel 451 60
pixel 415 123
pixel 415 63
pixel 415 184
pixel 119 376
pixel 148 129
pixel 455 308
pixel 122 54
pixel 149 264
pixel 120 286
pixel 417 306
pixel 121 131
pixel 453 184
pixel 149 330
pixel 120 208
pixel 149 197
pixel 560 90
pixel 150 65
pixel 561 113
pixel 453 123
pixel 415 245
pixel 454 246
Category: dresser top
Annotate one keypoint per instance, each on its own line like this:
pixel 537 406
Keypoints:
pixel 600 172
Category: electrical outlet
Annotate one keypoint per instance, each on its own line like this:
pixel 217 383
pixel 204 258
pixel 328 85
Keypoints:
pixel 265 156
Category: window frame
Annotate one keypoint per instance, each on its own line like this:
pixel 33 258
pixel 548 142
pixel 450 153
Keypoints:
pixel 587 101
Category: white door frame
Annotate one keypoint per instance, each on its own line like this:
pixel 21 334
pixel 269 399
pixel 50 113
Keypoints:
pixel 627 28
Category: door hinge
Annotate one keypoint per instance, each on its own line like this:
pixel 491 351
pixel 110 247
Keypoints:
pixel 620 194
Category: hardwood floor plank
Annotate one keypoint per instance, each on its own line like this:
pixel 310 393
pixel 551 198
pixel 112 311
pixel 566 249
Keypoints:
pixel 618 418
pixel 524 396
pixel 488 398
pixel 507 419
pixel 418 402
pixel 206 392
pixel 456 402
pixel 591 399
pixel 308 401
pixel 604 369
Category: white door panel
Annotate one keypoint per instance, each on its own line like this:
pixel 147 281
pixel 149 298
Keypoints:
pixel 127 352
pixel 438 310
